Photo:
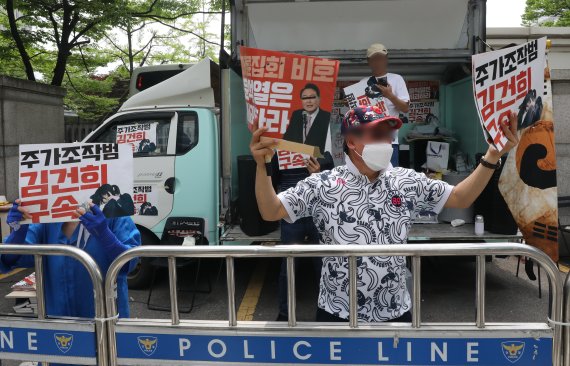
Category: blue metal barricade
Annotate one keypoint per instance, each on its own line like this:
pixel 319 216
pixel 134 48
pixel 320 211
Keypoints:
pixel 196 342
pixel 55 339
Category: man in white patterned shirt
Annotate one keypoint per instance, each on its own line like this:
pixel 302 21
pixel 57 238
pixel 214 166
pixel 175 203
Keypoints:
pixel 365 202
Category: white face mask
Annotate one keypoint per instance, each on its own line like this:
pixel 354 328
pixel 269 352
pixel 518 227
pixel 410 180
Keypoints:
pixel 377 156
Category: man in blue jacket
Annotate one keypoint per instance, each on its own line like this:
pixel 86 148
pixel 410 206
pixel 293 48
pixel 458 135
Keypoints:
pixel 67 285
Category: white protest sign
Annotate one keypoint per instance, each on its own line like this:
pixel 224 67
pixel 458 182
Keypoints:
pixel 511 79
pixel 54 179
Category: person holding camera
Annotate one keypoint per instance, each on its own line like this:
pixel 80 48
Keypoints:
pixel 387 88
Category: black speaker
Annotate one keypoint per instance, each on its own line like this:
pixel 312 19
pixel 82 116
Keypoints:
pixel 420 158
pixel 251 222
pixel 492 206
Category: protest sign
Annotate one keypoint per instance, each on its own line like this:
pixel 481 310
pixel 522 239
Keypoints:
pixel 54 179
pixel 145 199
pixel 424 101
pixel 508 80
pixel 337 139
pixel 362 93
pixel 421 90
pixel 528 180
pixel 420 112
pixel 273 82
pixel 141 136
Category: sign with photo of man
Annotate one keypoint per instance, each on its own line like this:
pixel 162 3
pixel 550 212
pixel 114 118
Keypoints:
pixel 292 96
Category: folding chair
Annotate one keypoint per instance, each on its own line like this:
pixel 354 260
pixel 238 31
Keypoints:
pixel 175 230
pixel 563 201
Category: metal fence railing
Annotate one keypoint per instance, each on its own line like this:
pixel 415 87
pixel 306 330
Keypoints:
pixel 566 337
pixel 56 339
pixel 163 342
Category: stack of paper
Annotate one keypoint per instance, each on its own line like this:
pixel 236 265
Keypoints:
pixel 27 284
pixel 28 306
pixel 24 292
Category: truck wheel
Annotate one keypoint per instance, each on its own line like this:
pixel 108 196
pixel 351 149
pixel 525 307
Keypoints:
pixel 139 278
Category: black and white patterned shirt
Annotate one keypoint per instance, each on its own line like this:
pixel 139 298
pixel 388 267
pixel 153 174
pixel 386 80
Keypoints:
pixel 349 209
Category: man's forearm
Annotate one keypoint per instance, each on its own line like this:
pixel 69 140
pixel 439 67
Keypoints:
pixel 467 191
pixel 270 206
pixel 402 106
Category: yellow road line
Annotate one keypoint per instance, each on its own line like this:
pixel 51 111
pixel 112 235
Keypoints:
pixel 6 275
pixel 564 268
pixel 251 297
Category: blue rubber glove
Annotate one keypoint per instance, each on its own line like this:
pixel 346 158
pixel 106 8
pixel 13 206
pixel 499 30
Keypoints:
pixel 17 236
pixel 95 223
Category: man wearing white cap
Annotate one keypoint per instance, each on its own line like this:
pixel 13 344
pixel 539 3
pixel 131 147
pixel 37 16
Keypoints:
pixel 388 88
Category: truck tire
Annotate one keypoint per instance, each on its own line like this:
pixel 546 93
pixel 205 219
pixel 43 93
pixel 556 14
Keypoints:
pixel 139 278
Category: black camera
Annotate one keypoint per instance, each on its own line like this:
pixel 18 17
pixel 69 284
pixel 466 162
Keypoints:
pixel 383 81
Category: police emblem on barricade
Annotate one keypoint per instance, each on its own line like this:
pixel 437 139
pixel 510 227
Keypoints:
pixel 63 341
pixel 513 350
pixel 148 344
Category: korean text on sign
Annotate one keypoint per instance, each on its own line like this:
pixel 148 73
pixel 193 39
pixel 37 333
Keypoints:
pixel 356 95
pixel 135 134
pixel 272 101
pixel 55 179
pixel 502 80
pixel 291 160
pixel 271 82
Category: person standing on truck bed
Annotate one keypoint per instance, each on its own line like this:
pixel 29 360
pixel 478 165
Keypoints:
pixel 391 89
pixel 365 202
pixel 310 126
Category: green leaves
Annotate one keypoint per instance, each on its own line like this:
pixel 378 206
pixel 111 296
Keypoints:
pixel 547 13
pixel 67 42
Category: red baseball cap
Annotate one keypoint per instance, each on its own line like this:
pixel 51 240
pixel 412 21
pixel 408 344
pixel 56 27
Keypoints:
pixel 367 116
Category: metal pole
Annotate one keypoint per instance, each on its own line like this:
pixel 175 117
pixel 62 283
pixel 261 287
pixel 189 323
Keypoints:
pixel 39 264
pixel 291 292
pixel 230 275
pixel 566 334
pixel 40 297
pixel 480 288
pixel 111 296
pixel 173 282
pixel 39 250
pixel 417 291
pixel 352 296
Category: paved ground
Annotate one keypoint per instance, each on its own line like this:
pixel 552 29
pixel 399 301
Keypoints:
pixel 448 292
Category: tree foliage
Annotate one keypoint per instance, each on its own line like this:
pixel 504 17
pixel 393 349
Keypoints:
pixel 547 13
pixel 59 27
pixel 68 42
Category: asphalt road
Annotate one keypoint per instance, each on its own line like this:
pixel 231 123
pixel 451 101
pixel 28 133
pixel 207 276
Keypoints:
pixel 448 292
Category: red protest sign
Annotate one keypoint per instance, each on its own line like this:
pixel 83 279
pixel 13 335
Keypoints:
pixel 273 84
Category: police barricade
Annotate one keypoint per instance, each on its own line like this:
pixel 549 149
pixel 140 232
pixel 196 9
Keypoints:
pixel 55 339
pixel 195 342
